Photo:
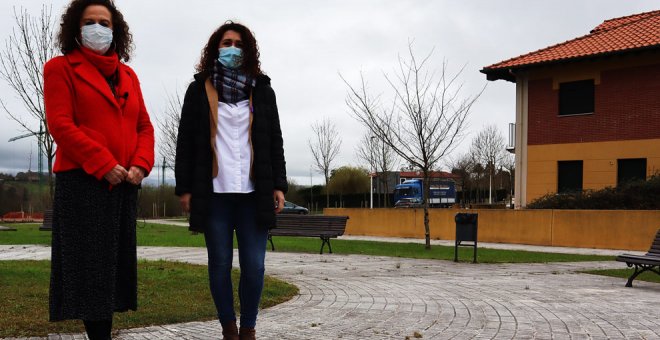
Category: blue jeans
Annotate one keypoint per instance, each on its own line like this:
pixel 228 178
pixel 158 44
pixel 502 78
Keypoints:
pixel 238 212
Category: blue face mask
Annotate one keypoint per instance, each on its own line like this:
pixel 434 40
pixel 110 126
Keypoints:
pixel 230 57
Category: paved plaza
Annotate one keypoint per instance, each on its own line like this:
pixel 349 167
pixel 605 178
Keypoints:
pixel 371 297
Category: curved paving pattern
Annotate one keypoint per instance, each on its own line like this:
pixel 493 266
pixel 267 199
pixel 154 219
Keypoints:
pixel 366 297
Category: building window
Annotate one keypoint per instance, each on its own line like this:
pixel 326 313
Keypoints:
pixel 630 170
pixel 569 176
pixel 576 97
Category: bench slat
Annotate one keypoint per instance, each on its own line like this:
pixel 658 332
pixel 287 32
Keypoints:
pixel 636 259
pixel 642 263
pixel 315 233
pixel 325 227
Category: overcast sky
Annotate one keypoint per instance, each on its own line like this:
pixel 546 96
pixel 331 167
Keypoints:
pixel 305 45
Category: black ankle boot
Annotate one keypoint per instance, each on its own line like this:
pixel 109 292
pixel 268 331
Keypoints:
pixel 98 329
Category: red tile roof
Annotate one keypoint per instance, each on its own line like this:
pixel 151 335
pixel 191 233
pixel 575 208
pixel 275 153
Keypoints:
pixel 613 36
pixel 616 22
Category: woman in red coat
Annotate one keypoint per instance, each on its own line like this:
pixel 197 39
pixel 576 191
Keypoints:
pixel 105 147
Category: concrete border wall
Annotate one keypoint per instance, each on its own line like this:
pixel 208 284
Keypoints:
pixel 603 229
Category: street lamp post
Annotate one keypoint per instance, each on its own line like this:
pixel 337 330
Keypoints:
pixel 371 197
pixel 311 191
pixel 371 176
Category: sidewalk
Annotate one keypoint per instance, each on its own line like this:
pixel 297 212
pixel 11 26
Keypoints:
pixel 450 243
pixel 508 246
pixel 372 297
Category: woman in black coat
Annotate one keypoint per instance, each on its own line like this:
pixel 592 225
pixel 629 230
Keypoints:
pixel 230 168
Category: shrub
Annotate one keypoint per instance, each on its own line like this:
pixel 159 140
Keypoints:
pixel 638 195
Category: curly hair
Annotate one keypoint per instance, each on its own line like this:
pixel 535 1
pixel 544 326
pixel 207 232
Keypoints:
pixel 250 65
pixel 70 28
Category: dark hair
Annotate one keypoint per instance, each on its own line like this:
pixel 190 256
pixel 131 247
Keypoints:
pixel 70 28
pixel 250 64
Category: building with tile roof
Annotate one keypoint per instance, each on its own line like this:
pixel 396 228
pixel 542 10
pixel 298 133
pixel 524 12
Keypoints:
pixel 588 109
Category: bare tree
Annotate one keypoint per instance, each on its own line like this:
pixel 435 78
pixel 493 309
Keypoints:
pixel 379 157
pixel 29 46
pixel 325 147
pixel 463 166
pixel 367 150
pixel 488 150
pixel 425 121
pixel 168 125
pixel 509 164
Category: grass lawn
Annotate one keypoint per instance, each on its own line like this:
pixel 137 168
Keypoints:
pixel 149 234
pixel 168 292
pixel 416 250
pixel 625 274
pixel 26 233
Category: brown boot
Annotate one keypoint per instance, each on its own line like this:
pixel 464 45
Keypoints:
pixel 247 334
pixel 229 331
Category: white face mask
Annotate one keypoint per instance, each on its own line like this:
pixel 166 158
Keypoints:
pixel 96 37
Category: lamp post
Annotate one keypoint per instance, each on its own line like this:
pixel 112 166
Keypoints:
pixel 371 197
pixel 311 190
pixel 371 176
pixel 510 185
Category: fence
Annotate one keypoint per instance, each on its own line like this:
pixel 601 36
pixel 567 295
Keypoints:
pixel 603 229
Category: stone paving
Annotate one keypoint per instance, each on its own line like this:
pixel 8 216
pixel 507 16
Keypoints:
pixel 370 297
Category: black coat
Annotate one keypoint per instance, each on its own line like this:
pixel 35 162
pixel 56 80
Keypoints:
pixel 195 155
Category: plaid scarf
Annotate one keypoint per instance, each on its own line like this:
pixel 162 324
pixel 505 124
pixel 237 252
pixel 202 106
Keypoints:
pixel 233 86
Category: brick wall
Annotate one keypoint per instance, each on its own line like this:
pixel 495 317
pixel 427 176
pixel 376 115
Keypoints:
pixel 627 107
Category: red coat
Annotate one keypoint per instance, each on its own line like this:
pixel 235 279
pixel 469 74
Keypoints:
pixel 92 129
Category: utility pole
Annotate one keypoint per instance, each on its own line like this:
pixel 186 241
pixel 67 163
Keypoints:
pixel 371 176
pixel 311 190
pixel 40 165
pixel 162 180
pixel 162 184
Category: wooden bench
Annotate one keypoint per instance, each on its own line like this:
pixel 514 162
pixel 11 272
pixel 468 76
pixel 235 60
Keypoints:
pixel 649 261
pixel 324 227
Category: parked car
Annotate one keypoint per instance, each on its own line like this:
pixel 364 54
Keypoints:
pixel 292 208
pixel 408 203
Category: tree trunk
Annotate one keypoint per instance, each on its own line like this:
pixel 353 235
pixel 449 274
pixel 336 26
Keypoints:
pixel 490 187
pixel 51 183
pixel 327 193
pixel 386 194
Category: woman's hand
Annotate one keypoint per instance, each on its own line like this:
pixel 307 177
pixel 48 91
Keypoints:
pixel 184 199
pixel 116 175
pixel 135 175
pixel 278 198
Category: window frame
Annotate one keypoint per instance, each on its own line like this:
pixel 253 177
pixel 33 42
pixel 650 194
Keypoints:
pixel 620 180
pixel 560 189
pixel 566 98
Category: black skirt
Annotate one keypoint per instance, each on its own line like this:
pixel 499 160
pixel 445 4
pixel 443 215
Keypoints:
pixel 94 260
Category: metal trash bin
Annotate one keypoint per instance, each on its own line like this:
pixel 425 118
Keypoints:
pixel 47 224
pixel 466 231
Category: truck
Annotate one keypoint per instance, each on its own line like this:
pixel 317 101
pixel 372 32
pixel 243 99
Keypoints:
pixel 409 194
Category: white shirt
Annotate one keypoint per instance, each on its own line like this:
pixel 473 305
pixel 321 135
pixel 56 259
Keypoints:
pixel 233 147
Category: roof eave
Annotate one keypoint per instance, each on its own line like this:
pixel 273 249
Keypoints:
pixel 509 73
pixel 500 73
